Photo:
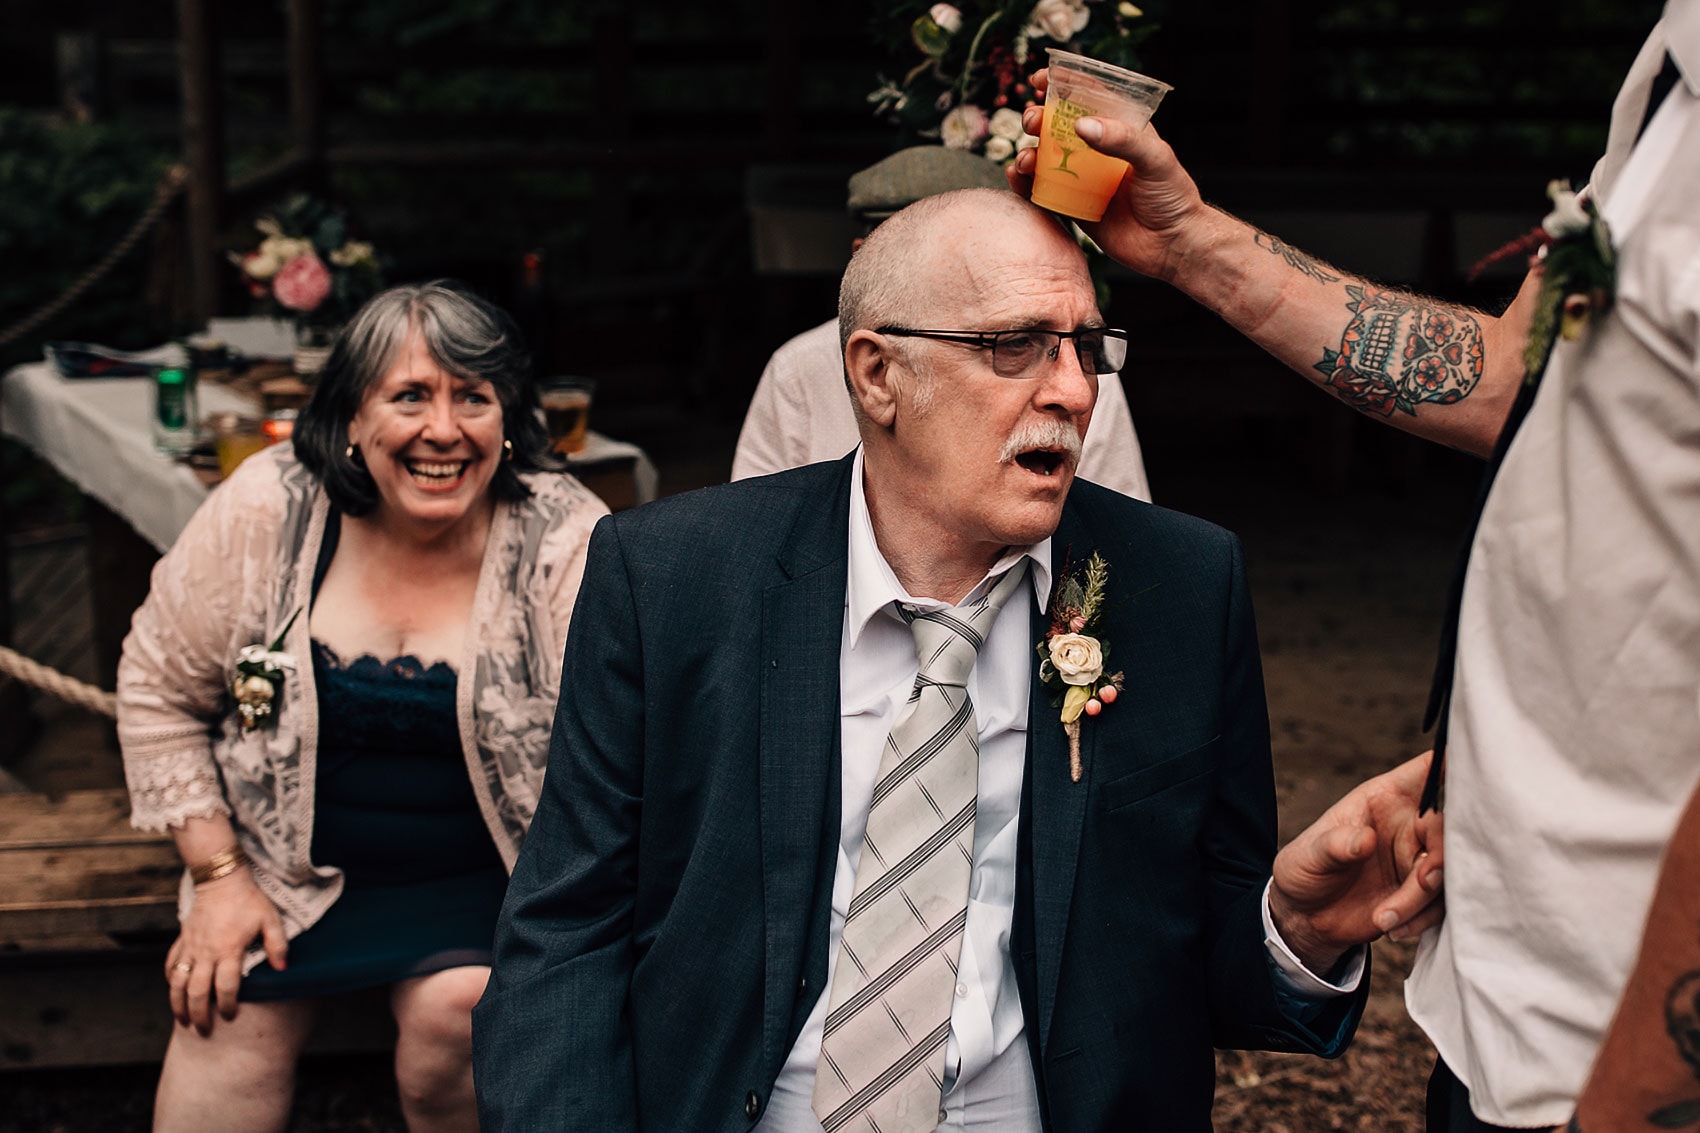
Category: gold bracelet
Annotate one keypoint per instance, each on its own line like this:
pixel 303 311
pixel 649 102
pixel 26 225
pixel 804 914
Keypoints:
pixel 221 864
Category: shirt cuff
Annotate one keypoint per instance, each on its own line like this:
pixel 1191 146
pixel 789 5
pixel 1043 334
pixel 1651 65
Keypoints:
pixel 1291 974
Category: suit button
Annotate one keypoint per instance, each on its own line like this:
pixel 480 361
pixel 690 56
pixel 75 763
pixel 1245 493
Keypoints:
pixel 752 1105
pixel 802 985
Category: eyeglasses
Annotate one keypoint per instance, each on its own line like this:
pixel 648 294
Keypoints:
pixel 1025 353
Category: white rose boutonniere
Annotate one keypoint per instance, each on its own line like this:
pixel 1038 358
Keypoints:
pixel 257 677
pixel 1073 652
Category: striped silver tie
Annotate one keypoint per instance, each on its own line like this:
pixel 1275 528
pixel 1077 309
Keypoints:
pixel 882 1056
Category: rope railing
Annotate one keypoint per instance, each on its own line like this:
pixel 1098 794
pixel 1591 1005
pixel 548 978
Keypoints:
pixel 49 680
pixel 172 182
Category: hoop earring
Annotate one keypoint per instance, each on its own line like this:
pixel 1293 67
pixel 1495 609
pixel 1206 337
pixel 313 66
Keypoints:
pixel 507 450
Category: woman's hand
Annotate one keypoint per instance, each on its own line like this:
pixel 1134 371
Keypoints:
pixel 206 959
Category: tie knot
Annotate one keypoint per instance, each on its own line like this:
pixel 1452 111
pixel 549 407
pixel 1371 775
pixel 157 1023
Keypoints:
pixel 948 641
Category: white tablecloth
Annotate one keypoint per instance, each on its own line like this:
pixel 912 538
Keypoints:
pixel 95 432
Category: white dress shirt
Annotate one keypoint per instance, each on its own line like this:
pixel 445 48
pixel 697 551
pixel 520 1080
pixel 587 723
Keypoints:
pixel 1575 741
pixel 988 1074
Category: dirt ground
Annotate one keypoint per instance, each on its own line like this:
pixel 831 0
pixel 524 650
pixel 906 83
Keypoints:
pixel 1349 569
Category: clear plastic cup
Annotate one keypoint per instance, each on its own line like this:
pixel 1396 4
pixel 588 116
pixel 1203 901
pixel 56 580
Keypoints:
pixel 1071 177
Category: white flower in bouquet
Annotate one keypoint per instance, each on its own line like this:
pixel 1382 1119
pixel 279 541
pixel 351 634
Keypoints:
pixel 963 127
pixel 947 16
pixel 1060 20
pixel 1006 123
pixel 999 149
pixel 352 253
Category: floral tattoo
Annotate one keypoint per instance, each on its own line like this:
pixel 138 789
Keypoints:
pixel 1296 259
pixel 1399 351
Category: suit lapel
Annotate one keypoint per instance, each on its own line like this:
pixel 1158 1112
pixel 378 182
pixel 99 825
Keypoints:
pixel 1058 803
pixel 801 629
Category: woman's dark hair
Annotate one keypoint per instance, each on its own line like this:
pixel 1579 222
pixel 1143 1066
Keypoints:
pixel 469 337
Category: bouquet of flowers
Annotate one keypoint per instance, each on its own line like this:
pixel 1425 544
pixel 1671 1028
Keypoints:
pixel 966 64
pixel 306 268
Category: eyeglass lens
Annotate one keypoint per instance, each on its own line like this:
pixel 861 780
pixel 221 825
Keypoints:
pixel 1018 353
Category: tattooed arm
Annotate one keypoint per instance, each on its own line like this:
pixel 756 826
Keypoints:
pixel 1435 369
pixel 1647 1074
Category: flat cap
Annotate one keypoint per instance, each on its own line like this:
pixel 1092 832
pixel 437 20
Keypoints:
pixel 919 171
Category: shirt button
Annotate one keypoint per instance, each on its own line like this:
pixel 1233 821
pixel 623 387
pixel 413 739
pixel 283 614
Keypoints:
pixel 961 991
pixel 752 1105
pixel 943 1117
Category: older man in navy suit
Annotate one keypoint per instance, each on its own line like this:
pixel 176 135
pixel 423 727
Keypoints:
pixel 816 849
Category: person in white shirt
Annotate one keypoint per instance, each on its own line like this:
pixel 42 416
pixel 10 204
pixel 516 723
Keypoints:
pixel 801 412
pixel 1562 985
pixel 816 848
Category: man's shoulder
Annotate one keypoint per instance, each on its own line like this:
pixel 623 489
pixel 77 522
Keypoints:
pixel 741 516
pixel 1111 517
pixel 809 353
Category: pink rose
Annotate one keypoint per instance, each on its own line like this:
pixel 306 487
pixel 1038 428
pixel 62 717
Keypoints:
pixel 302 283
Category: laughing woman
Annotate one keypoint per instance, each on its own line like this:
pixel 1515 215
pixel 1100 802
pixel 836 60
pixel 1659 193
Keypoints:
pixel 337 698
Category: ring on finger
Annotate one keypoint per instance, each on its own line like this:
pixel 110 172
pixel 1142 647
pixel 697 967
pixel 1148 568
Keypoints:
pixel 185 966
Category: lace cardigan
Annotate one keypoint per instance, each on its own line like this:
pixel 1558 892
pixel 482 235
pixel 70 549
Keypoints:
pixel 242 565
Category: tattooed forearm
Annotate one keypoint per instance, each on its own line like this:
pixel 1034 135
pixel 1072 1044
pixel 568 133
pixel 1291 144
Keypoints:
pixel 1682 1023
pixel 1296 259
pixel 1399 351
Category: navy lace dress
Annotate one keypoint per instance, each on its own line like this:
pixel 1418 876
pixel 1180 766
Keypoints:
pixel 394 810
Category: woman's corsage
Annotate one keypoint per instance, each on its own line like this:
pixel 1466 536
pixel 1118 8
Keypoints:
pixel 258 676
pixel 1073 655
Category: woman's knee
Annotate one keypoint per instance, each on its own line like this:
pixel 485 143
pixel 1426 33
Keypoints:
pixel 434 1038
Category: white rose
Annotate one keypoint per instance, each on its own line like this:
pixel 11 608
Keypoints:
pixel 1060 20
pixel 1078 659
pixel 947 16
pixel 1026 141
pixel 1006 123
pixel 963 127
pixel 1129 11
pixel 999 149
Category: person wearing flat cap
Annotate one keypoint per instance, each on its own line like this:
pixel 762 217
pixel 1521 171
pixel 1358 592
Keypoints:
pixel 801 412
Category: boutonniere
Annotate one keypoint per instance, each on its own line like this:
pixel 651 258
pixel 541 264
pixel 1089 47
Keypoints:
pixel 1073 653
pixel 257 677
pixel 1573 249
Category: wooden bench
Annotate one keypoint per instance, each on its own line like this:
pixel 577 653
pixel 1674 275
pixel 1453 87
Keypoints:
pixel 88 906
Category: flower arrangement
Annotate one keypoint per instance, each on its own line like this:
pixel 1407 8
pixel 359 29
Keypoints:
pixel 1073 653
pixel 964 83
pixel 306 268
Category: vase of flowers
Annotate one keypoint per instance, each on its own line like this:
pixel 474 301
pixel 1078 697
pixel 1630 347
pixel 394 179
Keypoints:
pixel 308 269
pixel 964 66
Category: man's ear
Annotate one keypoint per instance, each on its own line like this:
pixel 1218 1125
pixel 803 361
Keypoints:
pixel 868 366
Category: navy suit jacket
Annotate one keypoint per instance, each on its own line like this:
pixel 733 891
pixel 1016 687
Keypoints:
pixel 664 935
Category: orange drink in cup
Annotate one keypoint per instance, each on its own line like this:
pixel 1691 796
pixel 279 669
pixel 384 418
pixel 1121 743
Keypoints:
pixel 566 412
pixel 1071 177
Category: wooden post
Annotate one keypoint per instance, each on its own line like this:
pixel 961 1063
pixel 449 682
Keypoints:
pixel 203 149
pixel 306 89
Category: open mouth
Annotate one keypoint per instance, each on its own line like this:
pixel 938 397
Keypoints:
pixel 1042 461
pixel 437 473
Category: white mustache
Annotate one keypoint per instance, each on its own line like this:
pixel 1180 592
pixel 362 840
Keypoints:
pixel 1046 432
